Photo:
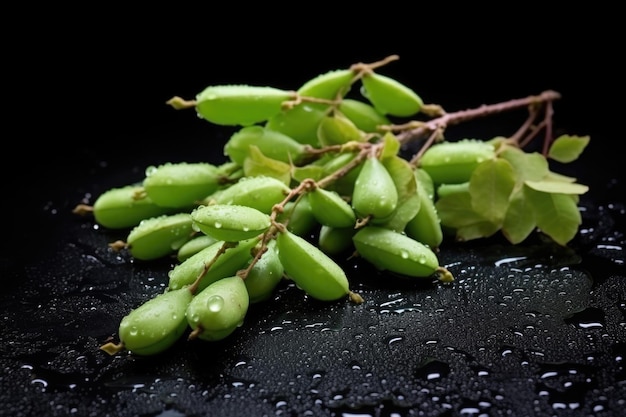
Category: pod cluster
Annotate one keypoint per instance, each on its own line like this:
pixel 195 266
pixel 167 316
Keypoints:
pixel 312 177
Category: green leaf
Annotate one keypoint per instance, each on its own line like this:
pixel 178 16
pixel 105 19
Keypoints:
pixel 391 146
pixel 257 164
pixel 519 221
pixel 567 148
pixel 557 215
pixel 490 187
pixel 477 230
pixel 315 172
pixel 558 187
pixel 527 166
pixel 555 176
pixel 455 211
pixel 404 212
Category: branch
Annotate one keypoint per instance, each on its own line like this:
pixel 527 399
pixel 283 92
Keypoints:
pixel 440 123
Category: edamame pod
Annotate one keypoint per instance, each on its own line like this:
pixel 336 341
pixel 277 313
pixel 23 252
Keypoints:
pixel 337 130
pixel 444 190
pixel 395 252
pixel 229 222
pixel 329 85
pixel 180 185
pixel 272 144
pixel 227 263
pixel 298 217
pixel 259 192
pixel 219 309
pixel 345 184
pixel 312 270
pixel 265 274
pixel 244 105
pixel 425 226
pixel 157 324
pixel 335 240
pixel 389 96
pixel 330 209
pixel 375 192
pixel 124 207
pixel 159 236
pixel 364 116
pixel 454 162
pixel 194 245
pixel 299 123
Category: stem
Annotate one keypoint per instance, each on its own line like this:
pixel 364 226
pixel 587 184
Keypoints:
pixel 193 288
pixel 440 123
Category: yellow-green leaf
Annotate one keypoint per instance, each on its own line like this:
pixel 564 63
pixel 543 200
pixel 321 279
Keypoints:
pixel 490 187
pixel 519 221
pixel 557 215
pixel 257 164
pixel 558 187
pixel 567 148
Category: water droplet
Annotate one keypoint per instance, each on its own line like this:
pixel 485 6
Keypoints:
pixel 431 369
pixel 215 303
pixel 150 170
pixel 589 318
pixel 217 225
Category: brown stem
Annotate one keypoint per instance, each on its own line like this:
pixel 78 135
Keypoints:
pixel 483 111
pixel 82 209
pixel 548 123
pixel 193 288
pixel 436 135
pixel 180 103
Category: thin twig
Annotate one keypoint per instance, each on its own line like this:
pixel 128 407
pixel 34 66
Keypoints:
pixel 483 111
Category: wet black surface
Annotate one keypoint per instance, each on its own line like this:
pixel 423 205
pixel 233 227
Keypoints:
pixel 528 330
pixel 533 329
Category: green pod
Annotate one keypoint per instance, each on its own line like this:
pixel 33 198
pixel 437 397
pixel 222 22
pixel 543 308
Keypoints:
pixel 259 192
pixel 454 162
pixel 395 252
pixel 157 324
pixel 195 245
pixel 425 226
pixel 159 236
pixel 345 184
pixel 298 217
pixel 243 105
pixel 124 207
pixel 364 116
pixel 229 222
pixel 389 96
pixel 444 190
pixel 228 263
pixel 335 240
pixel 180 185
pixel 375 192
pixel 329 86
pixel 219 309
pixel 337 130
pixel 330 209
pixel 312 270
pixel 299 123
pixel 265 274
pixel 275 145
